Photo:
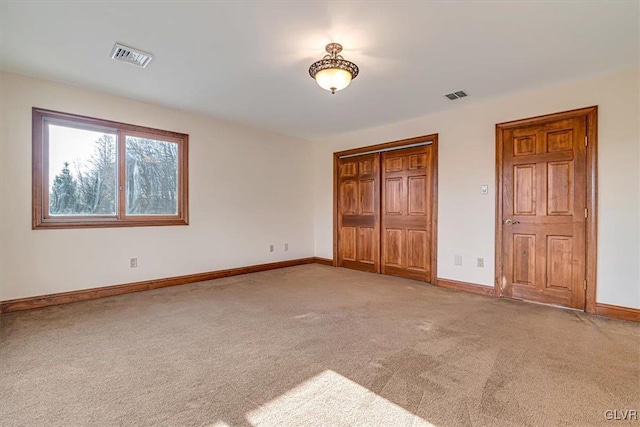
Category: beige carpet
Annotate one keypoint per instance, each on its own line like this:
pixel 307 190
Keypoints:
pixel 315 345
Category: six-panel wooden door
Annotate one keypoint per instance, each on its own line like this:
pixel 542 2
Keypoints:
pixel 544 209
pixel 406 213
pixel 359 212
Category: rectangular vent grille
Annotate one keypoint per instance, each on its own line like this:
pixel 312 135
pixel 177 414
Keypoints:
pixel 456 95
pixel 130 55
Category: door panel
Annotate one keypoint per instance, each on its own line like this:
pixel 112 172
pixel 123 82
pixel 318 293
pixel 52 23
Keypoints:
pixel 367 196
pixel 367 240
pixel 393 196
pixel 407 212
pixel 348 199
pixel 393 247
pixel 366 166
pixel 560 140
pixel 393 164
pixel 524 202
pixel 416 245
pixel 417 188
pixel 348 243
pixel 560 188
pixel 559 268
pixel 524 263
pixel 524 145
pixel 544 200
pixel 359 212
pixel 417 161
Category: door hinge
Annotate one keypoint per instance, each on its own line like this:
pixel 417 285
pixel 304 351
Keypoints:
pixel 585 285
pixel 586 212
pixel 586 140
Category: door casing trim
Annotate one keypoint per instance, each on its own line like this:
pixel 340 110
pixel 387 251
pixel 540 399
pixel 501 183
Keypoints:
pixel 433 138
pixel 591 114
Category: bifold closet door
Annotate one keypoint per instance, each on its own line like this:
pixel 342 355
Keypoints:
pixel 359 212
pixel 407 212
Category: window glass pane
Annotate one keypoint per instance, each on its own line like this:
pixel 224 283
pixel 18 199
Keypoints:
pixel 82 171
pixel 151 177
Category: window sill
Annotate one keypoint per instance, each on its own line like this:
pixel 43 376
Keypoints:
pixel 48 224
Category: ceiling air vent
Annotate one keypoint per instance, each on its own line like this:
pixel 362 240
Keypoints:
pixel 130 55
pixel 456 95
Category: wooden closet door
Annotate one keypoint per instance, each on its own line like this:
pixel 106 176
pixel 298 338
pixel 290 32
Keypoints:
pixel 359 212
pixel 407 212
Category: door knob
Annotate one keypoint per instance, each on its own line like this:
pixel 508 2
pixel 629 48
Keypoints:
pixel 511 222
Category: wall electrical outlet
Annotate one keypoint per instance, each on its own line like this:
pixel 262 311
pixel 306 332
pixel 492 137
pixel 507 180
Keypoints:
pixel 457 260
pixel 271 248
pixel 480 262
pixel 133 262
pixel 286 247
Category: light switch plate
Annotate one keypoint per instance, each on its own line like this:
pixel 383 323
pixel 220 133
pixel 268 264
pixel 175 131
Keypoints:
pixel 484 189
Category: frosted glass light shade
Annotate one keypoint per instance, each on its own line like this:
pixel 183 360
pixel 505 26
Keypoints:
pixel 333 79
pixel 333 72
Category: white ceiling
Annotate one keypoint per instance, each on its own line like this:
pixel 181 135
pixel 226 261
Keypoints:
pixel 247 62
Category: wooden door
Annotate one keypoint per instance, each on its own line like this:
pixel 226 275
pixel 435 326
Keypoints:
pixel 407 212
pixel 359 212
pixel 544 210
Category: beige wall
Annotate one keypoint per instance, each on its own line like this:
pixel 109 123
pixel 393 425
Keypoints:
pixel 467 160
pixel 248 189
pixel 235 217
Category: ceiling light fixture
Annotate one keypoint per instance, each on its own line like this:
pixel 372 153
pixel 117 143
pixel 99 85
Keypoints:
pixel 333 72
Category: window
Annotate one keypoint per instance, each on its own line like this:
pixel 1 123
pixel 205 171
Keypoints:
pixel 96 173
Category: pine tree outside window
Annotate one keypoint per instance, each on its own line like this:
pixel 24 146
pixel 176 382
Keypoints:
pixel 95 173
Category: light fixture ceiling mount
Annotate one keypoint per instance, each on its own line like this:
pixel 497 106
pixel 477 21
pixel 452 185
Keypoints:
pixel 333 72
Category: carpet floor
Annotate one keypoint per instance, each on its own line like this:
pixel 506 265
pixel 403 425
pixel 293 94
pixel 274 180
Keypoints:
pixel 315 345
